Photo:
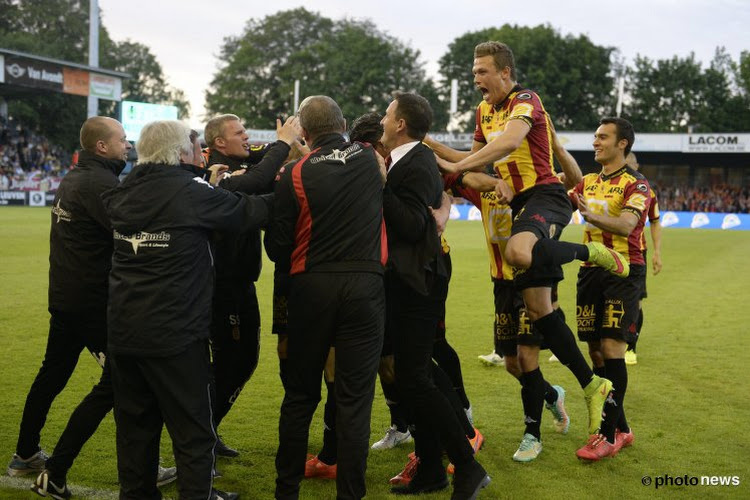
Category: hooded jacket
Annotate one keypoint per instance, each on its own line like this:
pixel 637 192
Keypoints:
pixel 80 241
pixel 161 284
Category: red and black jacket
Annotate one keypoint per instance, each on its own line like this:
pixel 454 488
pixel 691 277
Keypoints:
pixel 328 211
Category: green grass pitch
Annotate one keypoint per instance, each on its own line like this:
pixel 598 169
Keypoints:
pixel 688 398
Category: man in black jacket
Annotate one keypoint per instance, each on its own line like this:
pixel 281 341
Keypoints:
pixel 235 328
pixel 416 286
pixel 328 232
pixel 80 260
pixel 161 286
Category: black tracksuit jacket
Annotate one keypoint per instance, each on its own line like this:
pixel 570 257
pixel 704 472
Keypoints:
pixel 328 212
pixel 161 284
pixel 239 256
pixel 80 241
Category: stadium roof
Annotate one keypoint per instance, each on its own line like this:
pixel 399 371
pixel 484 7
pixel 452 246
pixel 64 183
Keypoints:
pixel 93 69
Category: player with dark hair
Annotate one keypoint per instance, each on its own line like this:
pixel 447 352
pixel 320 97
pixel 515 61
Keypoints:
pixel 614 203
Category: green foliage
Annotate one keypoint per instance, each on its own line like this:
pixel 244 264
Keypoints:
pixel 685 397
pixel 59 29
pixel 743 72
pixel 679 95
pixel 571 74
pixel 349 60
pixel 664 97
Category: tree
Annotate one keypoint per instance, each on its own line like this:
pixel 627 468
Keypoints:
pixel 743 73
pixel 572 75
pixel 59 29
pixel 349 60
pixel 678 95
pixel 664 95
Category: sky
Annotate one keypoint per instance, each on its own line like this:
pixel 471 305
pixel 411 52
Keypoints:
pixel 186 35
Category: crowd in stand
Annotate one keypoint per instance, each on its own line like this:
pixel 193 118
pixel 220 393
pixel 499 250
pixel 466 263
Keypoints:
pixel 717 198
pixel 28 160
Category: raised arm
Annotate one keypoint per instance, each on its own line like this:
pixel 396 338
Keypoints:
pixel 569 164
pixel 509 141
pixel 448 153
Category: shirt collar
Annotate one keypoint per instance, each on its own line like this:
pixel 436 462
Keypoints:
pixel 399 152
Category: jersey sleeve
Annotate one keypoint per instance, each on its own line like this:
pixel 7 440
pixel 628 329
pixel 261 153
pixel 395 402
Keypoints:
pixel 526 106
pixel 636 197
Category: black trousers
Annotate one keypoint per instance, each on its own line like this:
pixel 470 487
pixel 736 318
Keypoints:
pixel 235 344
pixel 150 392
pixel 414 317
pixel 82 424
pixel 346 310
pixel 69 334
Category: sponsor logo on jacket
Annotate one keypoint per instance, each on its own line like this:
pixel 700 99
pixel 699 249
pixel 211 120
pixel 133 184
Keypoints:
pixel 144 239
pixel 61 213
pixel 339 156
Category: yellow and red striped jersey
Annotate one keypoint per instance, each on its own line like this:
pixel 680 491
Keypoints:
pixel 496 221
pixel 653 216
pixel 625 190
pixel 531 164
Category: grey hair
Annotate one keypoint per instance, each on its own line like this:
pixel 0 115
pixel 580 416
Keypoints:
pixel 163 142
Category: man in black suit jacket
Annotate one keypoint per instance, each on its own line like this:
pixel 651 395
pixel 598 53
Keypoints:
pixel 416 285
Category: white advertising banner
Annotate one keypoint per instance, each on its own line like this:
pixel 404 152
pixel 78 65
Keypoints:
pixel 667 143
pixel 105 87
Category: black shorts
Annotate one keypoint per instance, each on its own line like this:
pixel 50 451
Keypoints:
pixel 544 210
pixel 512 324
pixel 607 306
pixel 644 293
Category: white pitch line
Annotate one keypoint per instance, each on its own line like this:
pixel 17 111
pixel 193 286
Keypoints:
pixel 24 483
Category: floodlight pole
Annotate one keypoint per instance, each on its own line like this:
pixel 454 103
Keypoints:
pixel 296 96
pixel 93 105
pixel 454 97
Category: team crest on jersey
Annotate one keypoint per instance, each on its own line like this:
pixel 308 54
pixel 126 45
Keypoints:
pixel 524 96
pixel 641 187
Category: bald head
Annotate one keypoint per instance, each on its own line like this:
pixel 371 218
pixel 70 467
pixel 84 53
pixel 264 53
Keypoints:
pixel 320 115
pixel 105 137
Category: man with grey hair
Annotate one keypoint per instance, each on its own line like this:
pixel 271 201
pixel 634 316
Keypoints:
pixel 328 234
pixel 159 312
